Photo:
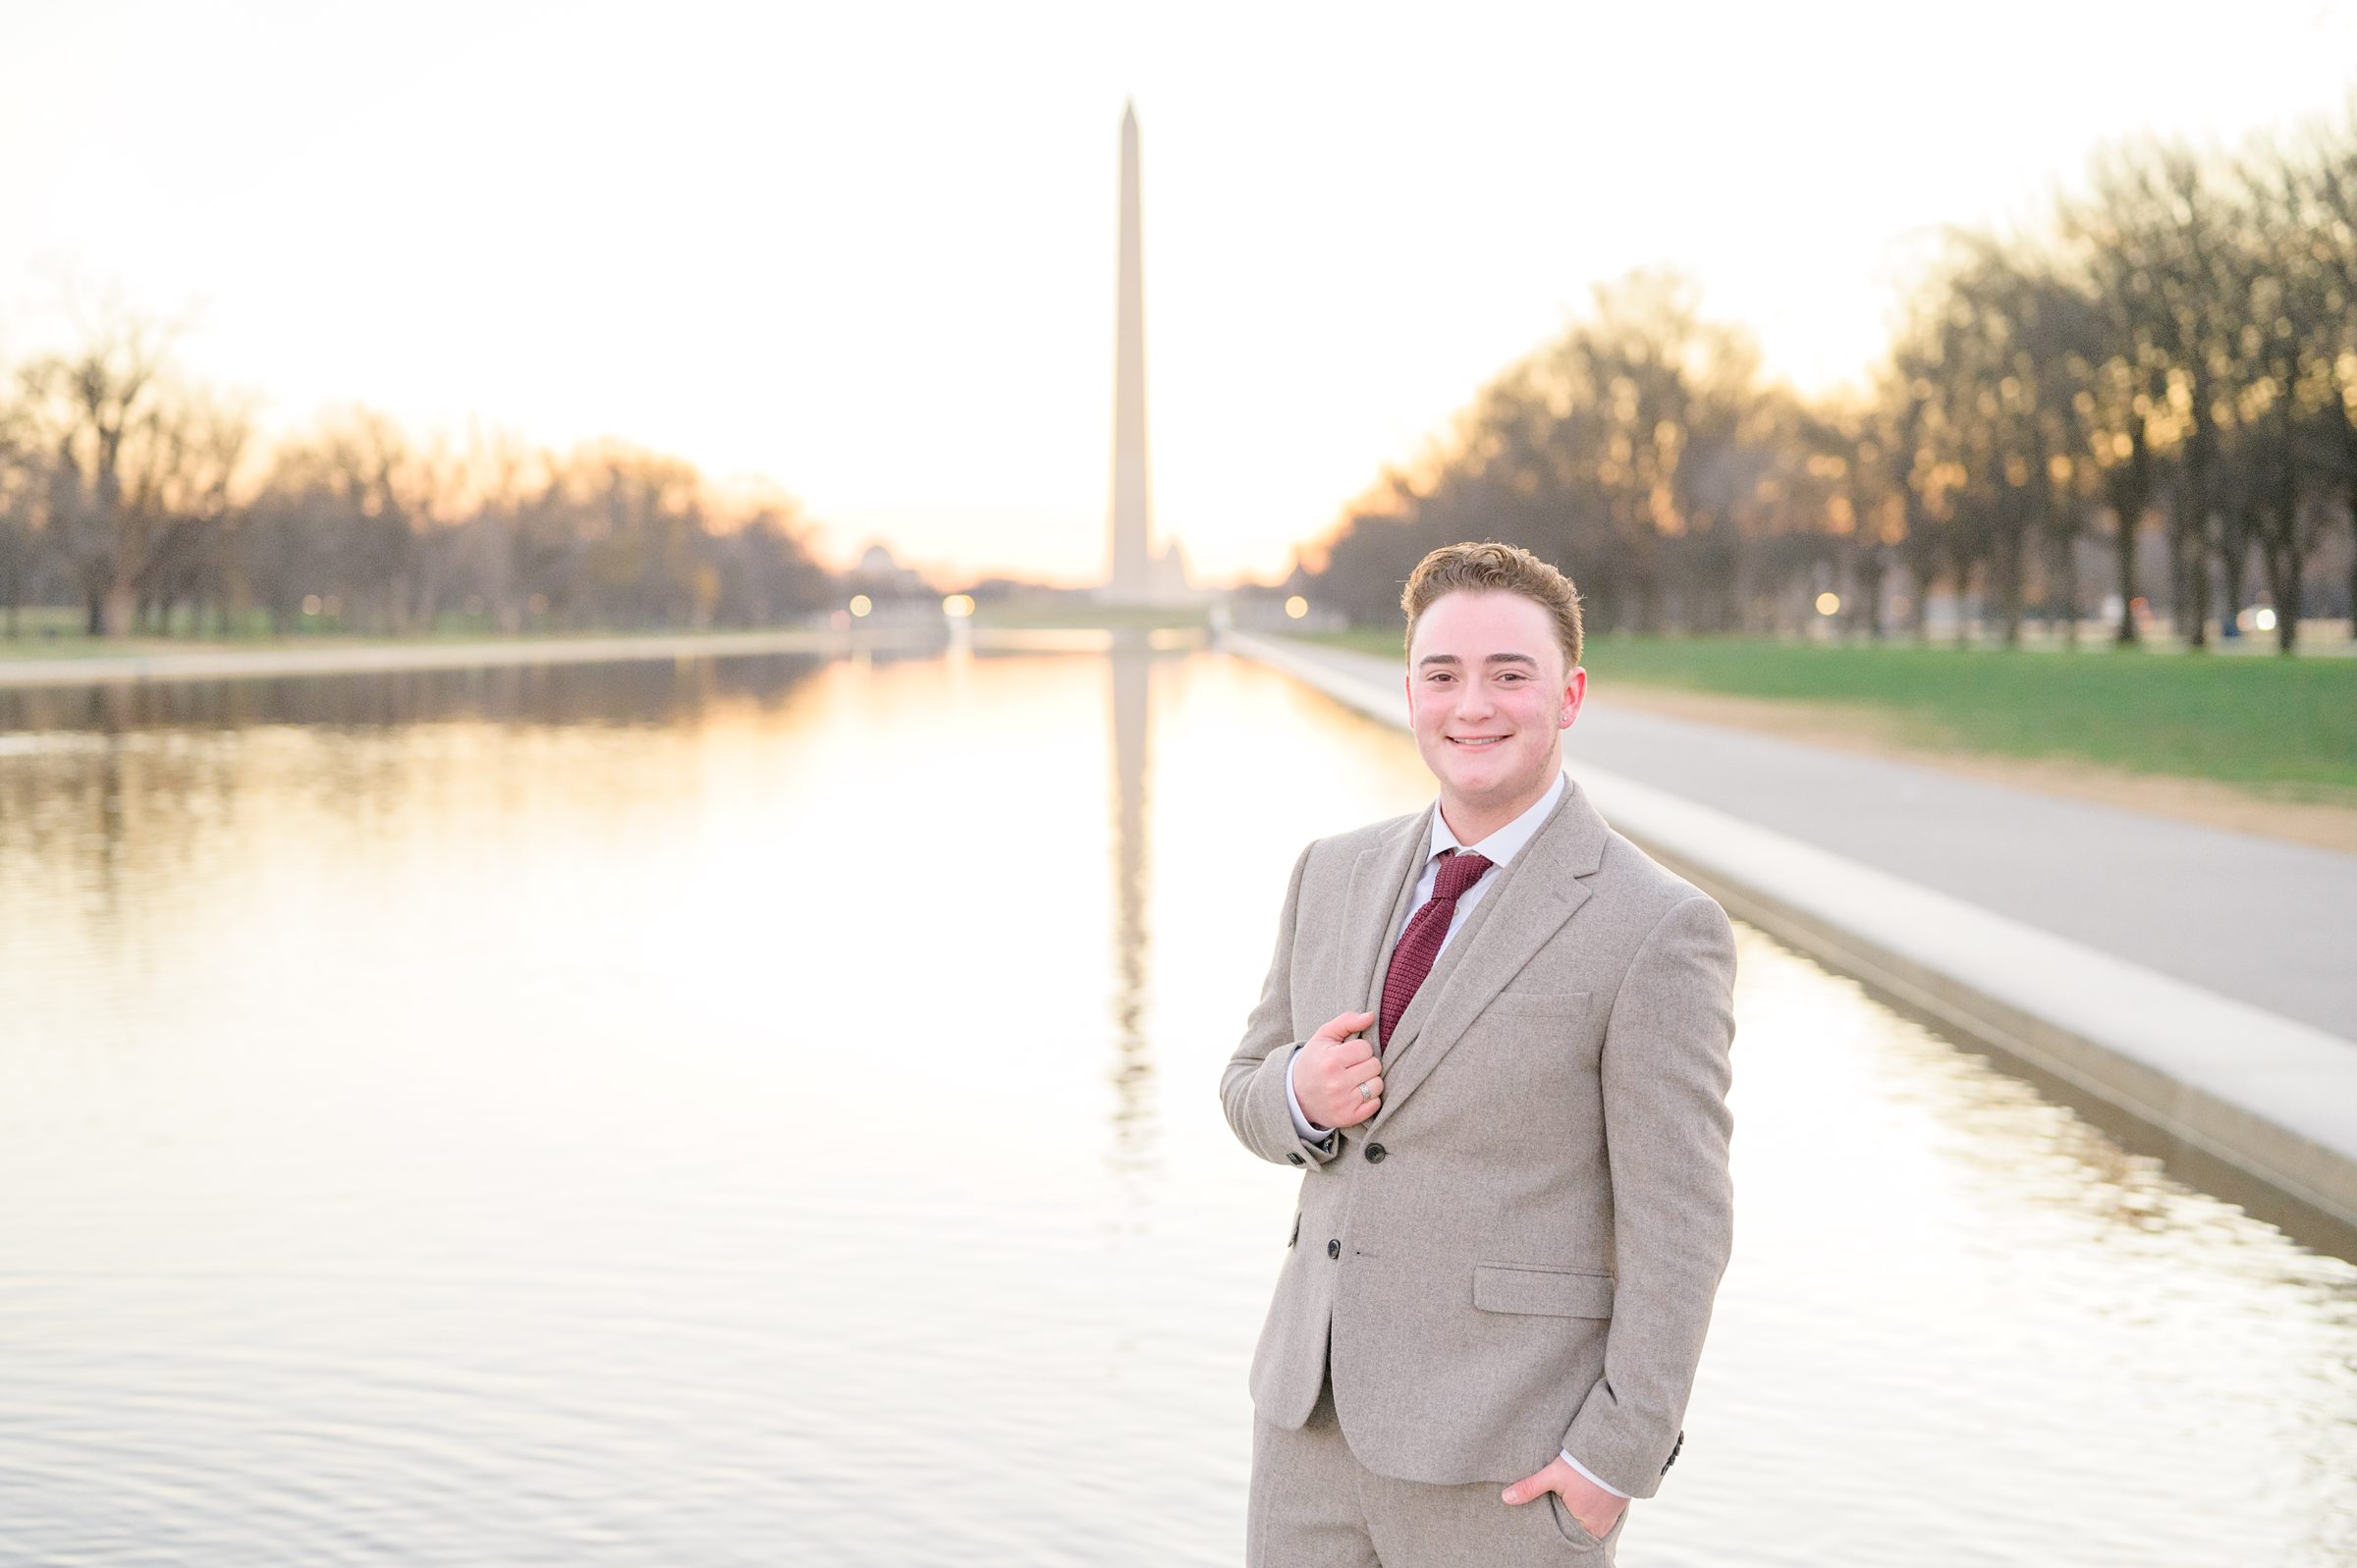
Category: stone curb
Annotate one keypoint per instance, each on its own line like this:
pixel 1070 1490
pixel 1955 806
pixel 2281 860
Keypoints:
pixel 250 664
pixel 2264 1096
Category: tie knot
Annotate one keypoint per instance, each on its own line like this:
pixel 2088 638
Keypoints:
pixel 1460 870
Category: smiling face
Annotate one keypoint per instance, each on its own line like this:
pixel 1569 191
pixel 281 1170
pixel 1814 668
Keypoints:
pixel 1489 700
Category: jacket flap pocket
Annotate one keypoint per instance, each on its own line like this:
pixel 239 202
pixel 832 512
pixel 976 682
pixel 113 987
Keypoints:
pixel 1558 1294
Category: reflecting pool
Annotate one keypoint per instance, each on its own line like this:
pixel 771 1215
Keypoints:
pixel 763 1111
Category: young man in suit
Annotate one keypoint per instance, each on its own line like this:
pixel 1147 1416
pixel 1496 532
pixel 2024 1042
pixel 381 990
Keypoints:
pixel 1495 1040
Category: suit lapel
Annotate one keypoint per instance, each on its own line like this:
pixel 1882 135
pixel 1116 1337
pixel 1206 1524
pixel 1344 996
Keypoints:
pixel 1541 889
pixel 1382 880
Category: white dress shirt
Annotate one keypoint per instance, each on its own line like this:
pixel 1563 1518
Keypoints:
pixel 1497 848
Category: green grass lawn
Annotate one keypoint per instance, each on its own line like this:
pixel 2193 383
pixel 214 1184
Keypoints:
pixel 55 633
pixel 2285 726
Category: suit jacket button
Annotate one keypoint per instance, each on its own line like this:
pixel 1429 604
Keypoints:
pixel 1374 1154
pixel 1295 1157
pixel 1333 1249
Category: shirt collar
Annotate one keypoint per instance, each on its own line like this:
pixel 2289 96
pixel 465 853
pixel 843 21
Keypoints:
pixel 1508 841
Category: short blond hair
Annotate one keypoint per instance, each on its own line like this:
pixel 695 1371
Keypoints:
pixel 1494 568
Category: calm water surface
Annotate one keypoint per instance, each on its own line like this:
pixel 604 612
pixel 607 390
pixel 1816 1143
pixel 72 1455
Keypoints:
pixel 764 1113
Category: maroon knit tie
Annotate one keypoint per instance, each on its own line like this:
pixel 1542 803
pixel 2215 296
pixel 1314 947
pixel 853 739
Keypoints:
pixel 1427 928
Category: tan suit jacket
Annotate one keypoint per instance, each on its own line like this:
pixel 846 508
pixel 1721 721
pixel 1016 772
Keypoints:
pixel 1519 1253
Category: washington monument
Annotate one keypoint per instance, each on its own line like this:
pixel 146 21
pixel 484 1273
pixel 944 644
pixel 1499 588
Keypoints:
pixel 1132 520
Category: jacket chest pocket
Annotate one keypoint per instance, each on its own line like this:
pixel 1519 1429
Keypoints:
pixel 1520 1029
pixel 1565 1009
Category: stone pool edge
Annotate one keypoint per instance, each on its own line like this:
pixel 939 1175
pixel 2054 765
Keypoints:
pixel 246 664
pixel 2230 1088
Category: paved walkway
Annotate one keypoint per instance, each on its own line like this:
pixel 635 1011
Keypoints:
pixel 2204 980
pixel 2271 923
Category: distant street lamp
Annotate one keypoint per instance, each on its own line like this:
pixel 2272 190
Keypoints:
pixel 1296 607
pixel 862 604
pixel 1829 604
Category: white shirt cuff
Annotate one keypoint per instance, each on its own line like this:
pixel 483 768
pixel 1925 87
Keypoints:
pixel 1293 1102
pixel 1591 1475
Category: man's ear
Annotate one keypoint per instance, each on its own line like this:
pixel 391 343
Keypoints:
pixel 1575 693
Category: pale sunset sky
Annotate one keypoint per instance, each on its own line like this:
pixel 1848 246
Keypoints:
pixel 867 250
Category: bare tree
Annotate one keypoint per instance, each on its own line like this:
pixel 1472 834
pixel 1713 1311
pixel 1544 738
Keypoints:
pixel 2330 177
pixel 92 404
pixel 22 485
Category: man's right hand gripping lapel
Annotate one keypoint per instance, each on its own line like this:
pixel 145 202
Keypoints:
pixel 1337 1080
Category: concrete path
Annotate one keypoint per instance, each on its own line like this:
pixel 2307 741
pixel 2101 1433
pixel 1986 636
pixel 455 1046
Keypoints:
pixel 2266 922
pixel 2203 980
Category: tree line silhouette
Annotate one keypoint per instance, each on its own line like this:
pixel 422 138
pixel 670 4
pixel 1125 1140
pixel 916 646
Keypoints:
pixel 2172 356
pixel 141 498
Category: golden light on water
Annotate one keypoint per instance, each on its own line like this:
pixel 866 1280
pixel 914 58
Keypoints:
pixel 957 606
pixel 613 1234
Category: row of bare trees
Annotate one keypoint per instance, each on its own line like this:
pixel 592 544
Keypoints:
pixel 147 501
pixel 2173 358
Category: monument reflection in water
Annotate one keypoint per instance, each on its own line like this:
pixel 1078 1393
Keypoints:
pixel 1128 668
pixel 765 1112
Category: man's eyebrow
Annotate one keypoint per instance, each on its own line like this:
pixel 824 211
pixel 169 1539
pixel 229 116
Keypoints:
pixel 1431 658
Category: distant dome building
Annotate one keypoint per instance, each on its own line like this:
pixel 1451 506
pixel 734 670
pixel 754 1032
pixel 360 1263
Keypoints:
pixel 1167 579
pixel 880 576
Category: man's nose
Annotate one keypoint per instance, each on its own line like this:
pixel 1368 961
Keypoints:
pixel 1472 698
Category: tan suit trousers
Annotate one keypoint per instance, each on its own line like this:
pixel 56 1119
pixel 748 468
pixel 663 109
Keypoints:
pixel 1314 1505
